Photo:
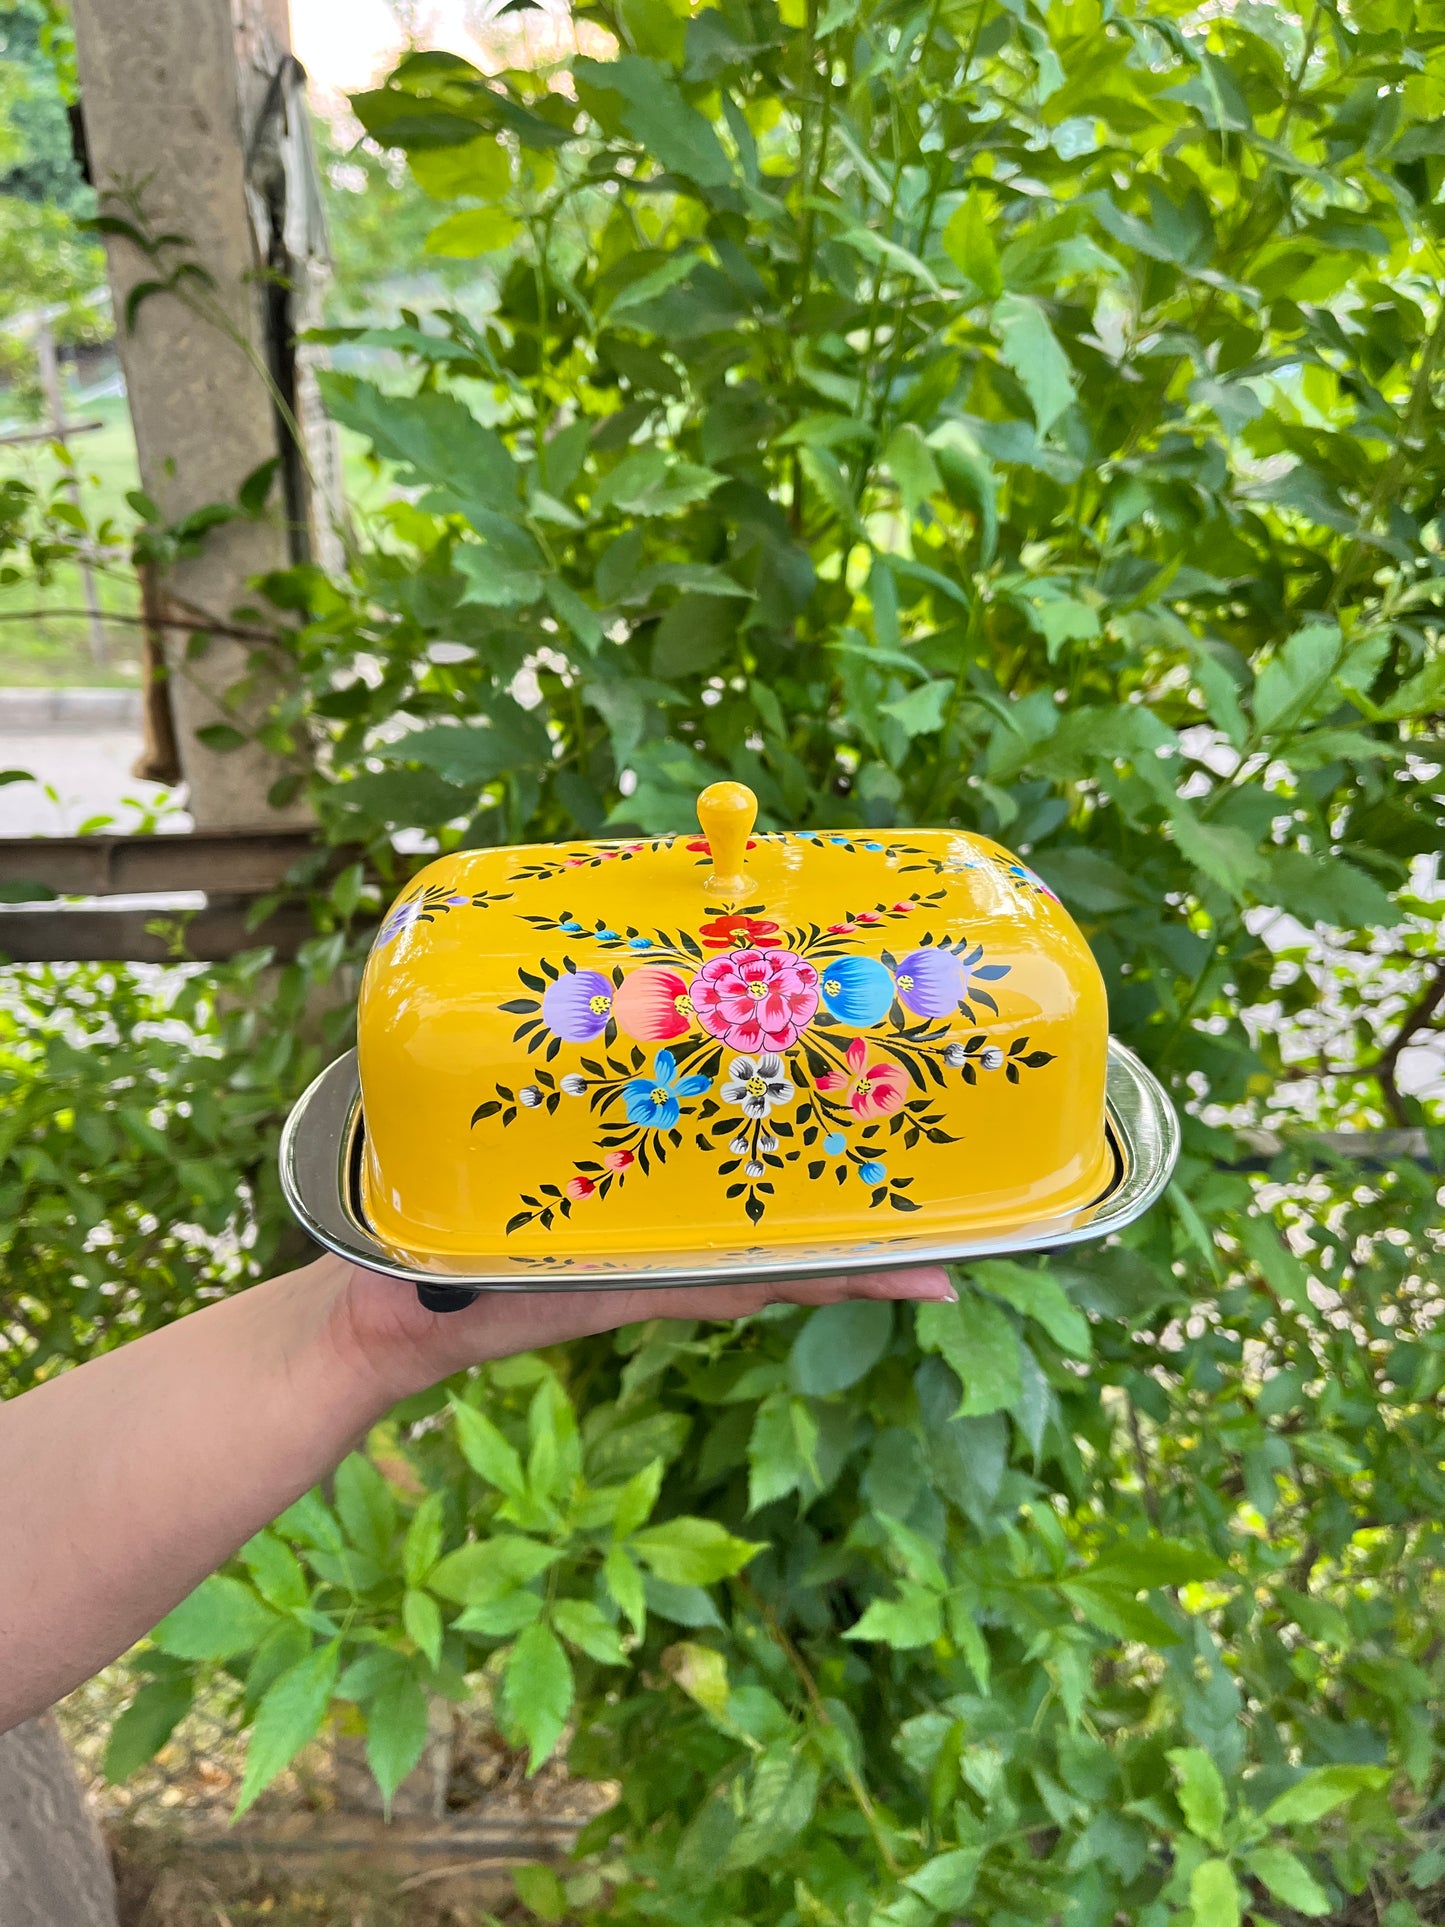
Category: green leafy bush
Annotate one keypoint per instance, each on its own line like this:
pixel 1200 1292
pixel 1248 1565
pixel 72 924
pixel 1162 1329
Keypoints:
pixel 1024 418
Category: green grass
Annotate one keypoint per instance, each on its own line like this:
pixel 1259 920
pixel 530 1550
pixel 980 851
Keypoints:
pixel 40 651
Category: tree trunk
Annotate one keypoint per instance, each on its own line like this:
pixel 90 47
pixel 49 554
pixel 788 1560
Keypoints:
pixel 196 135
pixel 54 1871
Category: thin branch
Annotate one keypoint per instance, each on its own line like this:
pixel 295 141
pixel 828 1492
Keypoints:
pixel 210 624
pixel 1431 998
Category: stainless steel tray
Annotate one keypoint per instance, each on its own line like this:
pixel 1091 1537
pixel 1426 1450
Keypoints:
pixel 320 1175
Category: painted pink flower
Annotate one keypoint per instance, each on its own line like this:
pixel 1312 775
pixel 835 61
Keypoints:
pixel 873 1090
pixel 617 1160
pixel 841 929
pixel 868 916
pixel 756 1000
pixel 580 1187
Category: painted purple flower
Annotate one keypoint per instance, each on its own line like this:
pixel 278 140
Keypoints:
pixel 578 1006
pixel 930 982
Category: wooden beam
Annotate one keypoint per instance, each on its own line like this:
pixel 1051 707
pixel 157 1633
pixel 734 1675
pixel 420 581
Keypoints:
pixel 238 862
pixel 124 936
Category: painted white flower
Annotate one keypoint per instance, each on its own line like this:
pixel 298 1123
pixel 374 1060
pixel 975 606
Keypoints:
pixel 752 1169
pixel 992 1058
pixel 954 1055
pixel 738 1147
pixel 529 1096
pixel 756 1085
pixel 574 1084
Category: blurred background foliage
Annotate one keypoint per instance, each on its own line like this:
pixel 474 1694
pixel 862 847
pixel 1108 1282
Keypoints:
pixel 1022 417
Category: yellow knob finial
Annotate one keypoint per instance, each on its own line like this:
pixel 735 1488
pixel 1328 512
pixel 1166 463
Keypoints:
pixel 727 813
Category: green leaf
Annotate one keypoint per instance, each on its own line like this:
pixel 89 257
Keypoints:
pixel 434 437
pixel 650 482
pixel 145 1726
pixel 1289 1881
pixel 1214 1895
pixel 781 1799
pixel 537 1686
pixel 481 168
pixel 1028 345
pixel 487 1567
pixel 839 1345
pixel 569 608
pixel 582 1625
pixel 921 711
pixel 289 1715
pixel 540 1892
pixel 1225 855
pixel 486 1451
pixel 1290 688
pixel 692 1552
pixel 648 105
pixel 1040 1297
pixel 494 580
pixel 911 462
pixel 625 1587
pixel 981 1345
pixel 1200 1792
pixel 914 1618
pixel 218 1620
pixel 1319 889
pixel 947 1881
pixel 422 1618
pixel 276 1572
pixel 1321 1790
pixel 500 1617
pixel 968 242
pixel 423 1543
pixel 474 231
pixel 396 1730
pixel 367 1508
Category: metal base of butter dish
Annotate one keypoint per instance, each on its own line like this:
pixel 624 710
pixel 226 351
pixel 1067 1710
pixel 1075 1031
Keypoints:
pixel 321 1177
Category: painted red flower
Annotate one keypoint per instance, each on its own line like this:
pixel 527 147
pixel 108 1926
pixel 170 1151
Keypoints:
pixel 868 916
pixel 740 933
pixel 701 843
pixel 902 908
pixel 873 1090
pixel 756 1000
pixel 580 1188
pixel 841 929
pixel 617 1160
pixel 653 1004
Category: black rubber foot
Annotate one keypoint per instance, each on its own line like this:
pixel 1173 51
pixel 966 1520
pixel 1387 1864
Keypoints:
pixel 446 1297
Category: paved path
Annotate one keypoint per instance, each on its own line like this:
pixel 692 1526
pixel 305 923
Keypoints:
pixel 80 745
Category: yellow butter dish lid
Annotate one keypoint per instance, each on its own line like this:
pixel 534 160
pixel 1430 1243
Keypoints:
pixel 689 1058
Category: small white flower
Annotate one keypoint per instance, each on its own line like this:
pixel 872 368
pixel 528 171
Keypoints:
pixel 738 1146
pixel 954 1055
pixel 529 1096
pixel 767 1142
pixel 992 1058
pixel 574 1084
pixel 752 1169
pixel 756 1085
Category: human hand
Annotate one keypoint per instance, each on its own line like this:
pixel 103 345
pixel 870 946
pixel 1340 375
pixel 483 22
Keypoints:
pixel 384 1329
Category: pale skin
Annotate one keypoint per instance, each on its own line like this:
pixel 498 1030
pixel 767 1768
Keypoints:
pixel 125 1482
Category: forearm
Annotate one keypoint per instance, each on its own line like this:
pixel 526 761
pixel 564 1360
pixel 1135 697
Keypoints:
pixel 125 1482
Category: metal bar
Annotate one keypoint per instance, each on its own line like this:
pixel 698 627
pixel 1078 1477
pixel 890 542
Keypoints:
pixel 238 862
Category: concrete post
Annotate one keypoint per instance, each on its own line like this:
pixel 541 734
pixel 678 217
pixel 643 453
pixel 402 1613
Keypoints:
pixel 173 95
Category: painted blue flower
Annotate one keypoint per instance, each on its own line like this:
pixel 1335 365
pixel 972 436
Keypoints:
pixel 608 936
pixel 857 989
pixel 872 1172
pixel 571 926
pixel 639 943
pixel 833 1143
pixel 872 846
pixel 841 841
pixel 653 1101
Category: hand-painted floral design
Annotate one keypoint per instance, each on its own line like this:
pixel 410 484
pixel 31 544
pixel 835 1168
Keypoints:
pixel 858 990
pixel 756 999
pixel 740 933
pixel 931 982
pixel 873 1090
pixel 756 1084
pixel 578 1006
pixel 656 1102
pixel 654 1004
pixel 758 1052
pixel 434 900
